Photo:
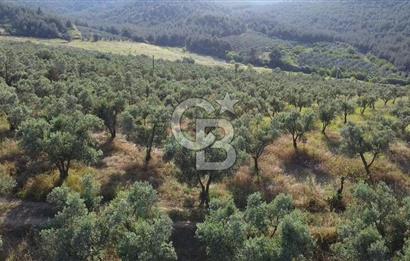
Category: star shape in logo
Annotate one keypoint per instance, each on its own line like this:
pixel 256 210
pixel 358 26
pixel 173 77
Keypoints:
pixel 227 104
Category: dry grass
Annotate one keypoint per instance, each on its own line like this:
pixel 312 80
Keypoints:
pixel 132 48
pixel 38 187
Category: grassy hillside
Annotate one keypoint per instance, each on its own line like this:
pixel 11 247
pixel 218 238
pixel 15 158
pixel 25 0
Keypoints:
pixel 123 48
pixel 128 48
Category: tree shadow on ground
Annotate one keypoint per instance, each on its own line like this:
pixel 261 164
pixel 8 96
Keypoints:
pixel 332 142
pixel 303 166
pixel 20 222
pixel 132 173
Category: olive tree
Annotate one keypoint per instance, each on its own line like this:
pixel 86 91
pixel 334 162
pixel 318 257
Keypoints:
pixel 402 111
pixel 108 108
pixel 230 234
pixel 367 141
pixel 327 113
pixel 296 124
pixel 347 107
pixel 271 106
pixel 300 98
pixel 146 125
pixel 64 139
pixel 374 226
pixel 14 111
pixel 136 227
pixel 185 160
pixel 131 225
pixel 74 232
pixel 253 136
pixel 366 101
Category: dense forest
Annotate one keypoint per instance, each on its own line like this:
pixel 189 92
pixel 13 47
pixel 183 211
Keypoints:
pixel 321 172
pixel 26 22
pixel 379 27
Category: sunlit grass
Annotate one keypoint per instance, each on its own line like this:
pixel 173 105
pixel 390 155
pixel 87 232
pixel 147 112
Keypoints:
pixel 132 48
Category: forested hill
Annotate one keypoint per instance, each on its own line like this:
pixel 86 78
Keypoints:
pixel 216 28
pixel 21 21
pixel 200 26
pixel 344 39
pixel 382 27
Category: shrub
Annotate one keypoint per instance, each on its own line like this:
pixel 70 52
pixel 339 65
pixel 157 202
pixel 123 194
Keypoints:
pixel 7 183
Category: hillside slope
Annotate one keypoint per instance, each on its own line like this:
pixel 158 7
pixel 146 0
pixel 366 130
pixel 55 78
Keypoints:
pixel 380 27
pixel 26 22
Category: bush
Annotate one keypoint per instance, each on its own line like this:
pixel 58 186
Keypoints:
pixel 37 188
pixel 273 231
pixel 7 183
pixel 241 186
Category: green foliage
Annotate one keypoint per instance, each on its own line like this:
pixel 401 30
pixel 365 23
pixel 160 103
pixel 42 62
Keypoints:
pixel 253 136
pixel 73 234
pixel 347 107
pixel 373 138
pixel 296 124
pixel 90 192
pixel 25 22
pixel 375 225
pixel 402 111
pixel 327 113
pixel 136 227
pixel 366 101
pixel 185 160
pixel 108 108
pixel 64 139
pixel 130 224
pixel 223 232
pixel 232 235
pixel 406 252
pixel 295 240
pixel 299 98
pixel 146 124
pixel 260 249
pixel 7 183
pixel 147 241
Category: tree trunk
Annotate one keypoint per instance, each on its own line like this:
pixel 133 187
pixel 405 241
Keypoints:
pixel 256 164
pixel 345 117
pixel 295 144
pixel 362 110
pixel 204 195
pixel 324 129
pixel 113 129
pixel 113 133
pixel 63 168
pixel 366 165
pixel 207 199
pixel 12 128
pixel 150 143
